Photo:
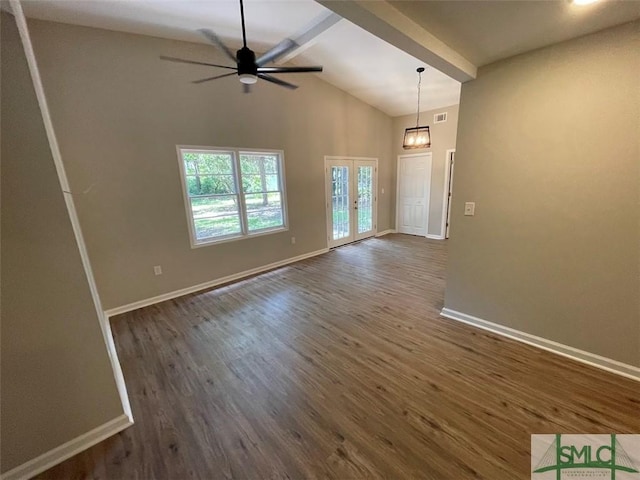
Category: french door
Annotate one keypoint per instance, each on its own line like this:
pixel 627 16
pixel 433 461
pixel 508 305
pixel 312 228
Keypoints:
pixel 351 199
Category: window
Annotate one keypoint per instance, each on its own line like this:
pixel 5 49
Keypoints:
pixel 232 193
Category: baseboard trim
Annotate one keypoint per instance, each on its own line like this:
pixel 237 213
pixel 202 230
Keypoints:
pixel 385 232
pixel 67 450
pixel 604 363
pixel 117 368
pixel 213 283
pixel 434 237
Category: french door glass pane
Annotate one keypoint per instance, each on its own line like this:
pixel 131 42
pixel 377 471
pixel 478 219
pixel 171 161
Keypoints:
pixel 365 199
pixel 340 202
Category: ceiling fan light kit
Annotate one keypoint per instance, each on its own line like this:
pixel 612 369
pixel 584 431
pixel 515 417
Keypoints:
pixel 248 68
pixel 247 78
pixel 418 136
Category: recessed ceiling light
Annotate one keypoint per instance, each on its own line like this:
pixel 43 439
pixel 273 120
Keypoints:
pixel 583 2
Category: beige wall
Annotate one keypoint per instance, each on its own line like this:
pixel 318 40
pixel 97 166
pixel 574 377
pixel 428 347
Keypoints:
pixel 119 113
pixel 443 138
pixel 548 148
pixel 57 381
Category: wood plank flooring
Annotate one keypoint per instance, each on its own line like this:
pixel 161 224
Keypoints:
pixel 339 367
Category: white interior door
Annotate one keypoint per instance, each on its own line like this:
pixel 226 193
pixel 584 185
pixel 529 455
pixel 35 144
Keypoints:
pixel 351 199
pixel 414 181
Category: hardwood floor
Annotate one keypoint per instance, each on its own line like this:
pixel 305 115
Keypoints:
pixel 339 367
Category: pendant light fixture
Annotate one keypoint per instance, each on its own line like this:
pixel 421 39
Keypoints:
pixel 417 137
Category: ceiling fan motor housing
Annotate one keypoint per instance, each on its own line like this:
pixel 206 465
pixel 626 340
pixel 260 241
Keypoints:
pixel 246 62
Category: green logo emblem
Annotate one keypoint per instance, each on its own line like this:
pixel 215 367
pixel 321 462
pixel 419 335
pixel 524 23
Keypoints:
pixel 585 456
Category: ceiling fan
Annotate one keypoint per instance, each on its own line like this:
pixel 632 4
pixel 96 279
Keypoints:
pixel 248 68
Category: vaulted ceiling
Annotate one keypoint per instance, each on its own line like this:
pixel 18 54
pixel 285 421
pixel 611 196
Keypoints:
pixel 370 49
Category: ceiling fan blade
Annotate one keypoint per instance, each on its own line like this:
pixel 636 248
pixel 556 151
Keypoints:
pixel 213 38
pixel 277 81
pixel 182 60
pixel 202 80
pixel 284 47
pixel 289 69
pixel 246 88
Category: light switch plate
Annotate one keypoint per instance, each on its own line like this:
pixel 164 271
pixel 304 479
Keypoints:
pixel 470 209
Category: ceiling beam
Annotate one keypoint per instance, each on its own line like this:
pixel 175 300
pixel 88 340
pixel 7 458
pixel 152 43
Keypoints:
pixel 384 21
pixel 308 36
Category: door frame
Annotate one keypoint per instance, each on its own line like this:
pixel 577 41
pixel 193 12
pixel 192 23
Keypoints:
pixel 327 196
pixel 408 155
pixel 448 193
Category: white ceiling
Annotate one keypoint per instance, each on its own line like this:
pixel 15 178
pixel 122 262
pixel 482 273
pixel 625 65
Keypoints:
pixel 353 59
pixel 484 31
pixel 378 73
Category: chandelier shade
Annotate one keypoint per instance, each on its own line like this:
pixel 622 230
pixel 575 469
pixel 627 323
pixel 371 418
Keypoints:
pixel 418 136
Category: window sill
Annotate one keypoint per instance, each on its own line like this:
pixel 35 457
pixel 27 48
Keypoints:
pixel 236 238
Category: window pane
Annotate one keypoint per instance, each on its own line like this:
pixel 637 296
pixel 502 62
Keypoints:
pixel 215 163
pixel 209 173
pixel 210 184
pixel 264 211
pixel 250 164
pixel 254 183
pixel 271 164
pixel 216 227
pixel 260 173
pixel 272 183
pixel 215 216
pixel 214 206
pixel 260 183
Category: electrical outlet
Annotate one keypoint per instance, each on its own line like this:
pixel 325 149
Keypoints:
pixel 157 270
pixel 383 191
pixel 470 209
pixel 293 240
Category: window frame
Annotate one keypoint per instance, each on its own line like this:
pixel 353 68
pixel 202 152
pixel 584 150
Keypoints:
pixel 235 153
